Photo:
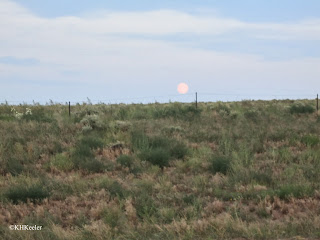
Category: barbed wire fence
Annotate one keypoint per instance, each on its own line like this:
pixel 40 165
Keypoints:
pixel 186 98
pixel 191 97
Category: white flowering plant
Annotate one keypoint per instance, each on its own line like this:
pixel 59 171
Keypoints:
pixel 19 115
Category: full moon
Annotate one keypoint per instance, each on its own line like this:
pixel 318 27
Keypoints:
pixel 183 88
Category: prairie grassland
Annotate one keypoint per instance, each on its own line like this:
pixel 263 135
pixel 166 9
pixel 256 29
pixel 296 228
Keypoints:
pixel 243 170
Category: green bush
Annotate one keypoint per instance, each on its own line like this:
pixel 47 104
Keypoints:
pixel 93 142
pixel 262 177
pixel 220 164
pixel 178 150
pixel 301 108
pixel 62 162
pixel 6 117
pixel 39 114
pixel 21 193
pixel 82 152
pixel 177 110
pixel 92 165
pixel 114 217
pixel 92 122
pixel 139 140
pixel 157 156
pixel 160 142
pixel 297 191
pixel 125 161
pixel 145 205
pixel 83 157
pixel 252 115
pixel 14 167
pixel 310 140
pixel 123 113
pixel 116 190
pixel 189 199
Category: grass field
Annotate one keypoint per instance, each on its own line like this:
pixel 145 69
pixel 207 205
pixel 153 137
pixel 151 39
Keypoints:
pixel 242 170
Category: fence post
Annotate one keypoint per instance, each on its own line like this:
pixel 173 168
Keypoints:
pixel 196 100
pixel 317 103
pixel 69 109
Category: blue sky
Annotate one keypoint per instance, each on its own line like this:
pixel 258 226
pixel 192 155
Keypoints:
pixel 68 50
pixel 248 10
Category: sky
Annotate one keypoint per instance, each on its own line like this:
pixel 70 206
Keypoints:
pixel 139 51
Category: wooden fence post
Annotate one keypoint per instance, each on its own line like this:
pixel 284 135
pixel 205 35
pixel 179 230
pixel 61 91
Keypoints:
pixel 317 103
pixel 196 100
pixel 69 109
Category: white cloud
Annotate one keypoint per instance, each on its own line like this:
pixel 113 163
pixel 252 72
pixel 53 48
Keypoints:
pixel 101 49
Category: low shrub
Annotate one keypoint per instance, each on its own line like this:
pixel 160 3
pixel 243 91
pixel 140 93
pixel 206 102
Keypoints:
pixel 114 217
pixel 222 109
pixel 297 191
pixel 220 164
pixel 145 206
pixel 310 140
pixel 178 150
pixel 83 157
pixel 157 156
pixel 262 178
pixel 177 110
pixel 166 215
pixel 252 115
pixel 139 140
pixel 125 161
pixel 39 114
pixel 92 165
pixel 116 190
pixel 92 122
pixel 14 167
pixel 301 108
pixel 93 142
pixel 159 142
pixel 21 193
pixel 62 162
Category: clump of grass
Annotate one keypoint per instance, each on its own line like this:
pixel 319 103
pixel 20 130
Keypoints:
pixel 39 114
pixel 62 162
pixel 143 202
pixel 139 140
pixel 114 217
pixel 262 177
pixel 178 111
pixel 92 165
pixel 92 122
pixel 222 109
pixel 178 150
pixel 157 156
pixel 292 190
pixel 145 205
pixel 91 141
pixel 166 215
pixel 220 164
pixel 14 167
pixel 159 150
pixel 116 190
pixel 310 140
pixel 83 157
pixel 299 108
pixel 125 161
pixel 22 193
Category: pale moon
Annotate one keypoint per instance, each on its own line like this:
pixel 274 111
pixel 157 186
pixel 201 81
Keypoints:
pixel 183 88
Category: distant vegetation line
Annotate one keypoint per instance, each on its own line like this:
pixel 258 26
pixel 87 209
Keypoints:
pixel 202 97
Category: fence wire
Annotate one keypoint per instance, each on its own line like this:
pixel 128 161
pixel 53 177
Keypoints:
pixel 190 97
